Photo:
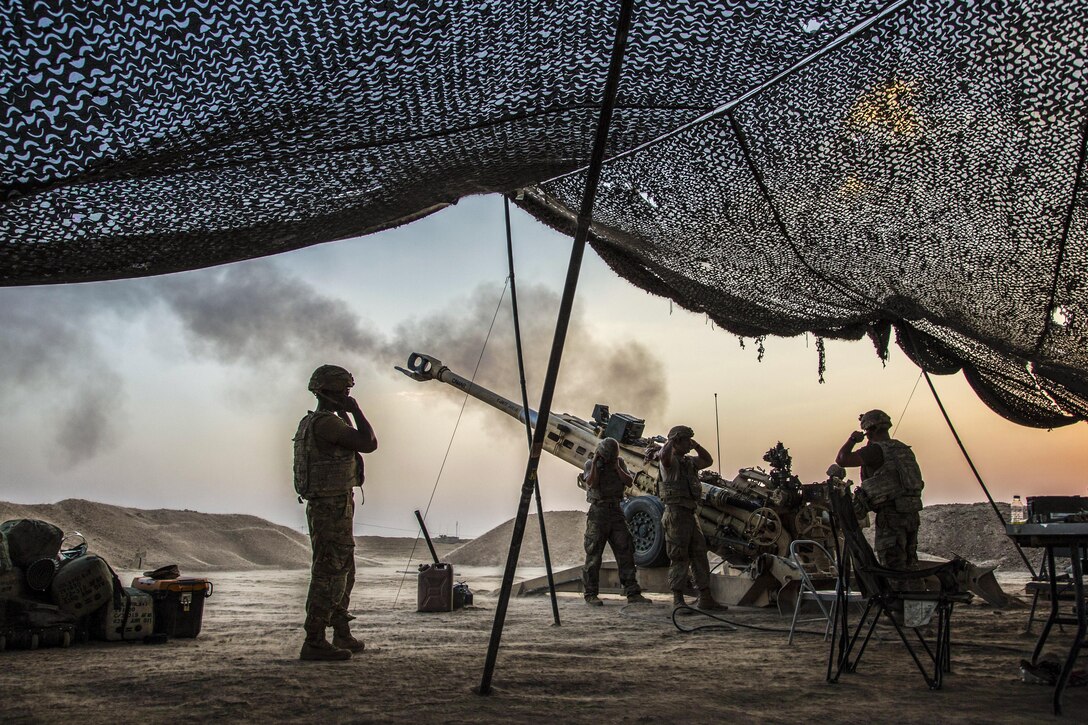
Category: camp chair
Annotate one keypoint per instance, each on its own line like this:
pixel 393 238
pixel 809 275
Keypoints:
pixel 882 588
pixel 805 557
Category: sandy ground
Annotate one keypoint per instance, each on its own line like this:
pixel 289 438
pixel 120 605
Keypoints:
pixel 612 664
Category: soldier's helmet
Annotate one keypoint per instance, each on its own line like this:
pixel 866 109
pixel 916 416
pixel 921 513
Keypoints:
pixel 608 449
pixel 680 431
pixel 330 377
pixel 874 420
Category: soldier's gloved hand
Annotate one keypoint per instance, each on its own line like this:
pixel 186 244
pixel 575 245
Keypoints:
pixel 857 436
pixel 861 502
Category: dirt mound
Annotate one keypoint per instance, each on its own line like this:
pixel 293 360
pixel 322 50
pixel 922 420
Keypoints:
pixel 131 538
pixel 565 530
pixel 970 530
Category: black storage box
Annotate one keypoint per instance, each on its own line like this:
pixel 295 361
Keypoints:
pixel 179 603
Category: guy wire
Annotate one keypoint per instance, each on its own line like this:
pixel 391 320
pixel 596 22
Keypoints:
pixel 909 397
pixel 449 447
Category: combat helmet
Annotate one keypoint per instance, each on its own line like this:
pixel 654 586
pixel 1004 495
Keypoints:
pixel 330 377
pixel 874 420
pixel 608 449
pixel 680 431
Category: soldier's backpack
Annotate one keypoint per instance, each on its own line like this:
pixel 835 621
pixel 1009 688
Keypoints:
pixel 29 540
pixel 84 584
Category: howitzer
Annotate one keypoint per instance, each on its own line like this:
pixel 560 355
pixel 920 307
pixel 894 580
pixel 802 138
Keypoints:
pixel 749 521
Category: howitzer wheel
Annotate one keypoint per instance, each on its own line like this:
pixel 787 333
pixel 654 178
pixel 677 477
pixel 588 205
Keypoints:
pixel 763 527
pixel 643 514
pixel 809 523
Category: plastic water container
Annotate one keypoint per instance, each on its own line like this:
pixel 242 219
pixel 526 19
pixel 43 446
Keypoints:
pixel 1017 512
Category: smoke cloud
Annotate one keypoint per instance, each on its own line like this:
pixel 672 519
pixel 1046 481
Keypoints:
pixel 255 314
pixel 626 376
pixel 50 360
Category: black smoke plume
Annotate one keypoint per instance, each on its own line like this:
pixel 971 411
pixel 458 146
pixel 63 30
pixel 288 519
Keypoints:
pixel 255 315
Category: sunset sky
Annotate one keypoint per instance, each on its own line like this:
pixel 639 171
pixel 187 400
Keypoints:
pixel 184 391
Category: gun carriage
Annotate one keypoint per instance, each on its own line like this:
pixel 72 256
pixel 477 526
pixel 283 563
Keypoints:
pixel 749 521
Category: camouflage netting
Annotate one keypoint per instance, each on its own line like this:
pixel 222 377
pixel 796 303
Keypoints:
pixel 782 165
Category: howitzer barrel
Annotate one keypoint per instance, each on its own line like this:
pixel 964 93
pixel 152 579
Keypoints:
pixel 424 367
pixel 569 438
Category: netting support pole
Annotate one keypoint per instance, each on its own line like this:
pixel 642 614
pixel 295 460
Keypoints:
pixel 963 449
pixel 525 406
pixel 581 234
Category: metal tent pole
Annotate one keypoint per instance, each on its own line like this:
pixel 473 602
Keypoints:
pixel 974 470
pixel 718 433
pixel 585 218
pixel 525 405
pixel 978 477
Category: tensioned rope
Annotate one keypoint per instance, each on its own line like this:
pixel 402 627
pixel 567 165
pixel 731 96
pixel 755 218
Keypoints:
pixel 904 411
pixel 728 106
pixel 978 477
pixel 974 470
pixel 765 192
pixel 1067 224
pixel 449 447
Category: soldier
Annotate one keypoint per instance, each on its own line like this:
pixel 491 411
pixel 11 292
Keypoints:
pixel 605 477
pixel 681 493
pixel 891 485
pixel 327 466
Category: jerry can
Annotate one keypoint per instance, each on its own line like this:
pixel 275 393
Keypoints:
pixel 435 591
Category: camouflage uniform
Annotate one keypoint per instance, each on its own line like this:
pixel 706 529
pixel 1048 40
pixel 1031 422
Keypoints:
pixel 325 475
pixel 894 491
pixel 332 574
pixel 606 524
pixel 684 541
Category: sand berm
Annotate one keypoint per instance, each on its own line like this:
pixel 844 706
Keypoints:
pixel 133 538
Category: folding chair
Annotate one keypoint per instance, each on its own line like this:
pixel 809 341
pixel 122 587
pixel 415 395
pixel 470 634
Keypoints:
pixel 810 571
pixel 1040 585
pixel 883 597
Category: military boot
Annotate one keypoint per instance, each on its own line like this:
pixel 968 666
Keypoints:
pixel 706 602
pixel 638 599
pixel 342 638
pixel 317 649
pixel 680 606
pixel 593 601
